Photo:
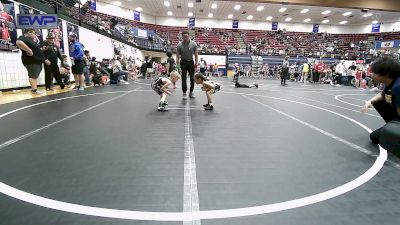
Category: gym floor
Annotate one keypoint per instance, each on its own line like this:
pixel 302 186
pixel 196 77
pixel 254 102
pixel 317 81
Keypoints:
pixel 290 155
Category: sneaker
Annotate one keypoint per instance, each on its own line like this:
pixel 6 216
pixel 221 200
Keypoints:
pixel 217 87
pixel 81 89
pixel 37 92
pixel 162 108
pixel 205 105
pixel 191 95
pixel 165 103
pixel 256 85
pixel 76 87
pixel 184 96
pixel 209 107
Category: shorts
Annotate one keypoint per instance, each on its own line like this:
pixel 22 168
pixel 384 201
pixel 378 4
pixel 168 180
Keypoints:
pixel 77 68
pixel 156 88
pixel 33 70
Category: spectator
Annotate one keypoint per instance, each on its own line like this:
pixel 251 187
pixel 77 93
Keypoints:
pixel 32 57
pixel 52 53
pixel 118 73
pixel 77 54
pixel 387 103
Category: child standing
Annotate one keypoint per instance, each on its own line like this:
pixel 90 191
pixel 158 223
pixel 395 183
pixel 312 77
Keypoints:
pixel 160 86
pixel 209 87
pixel 65 70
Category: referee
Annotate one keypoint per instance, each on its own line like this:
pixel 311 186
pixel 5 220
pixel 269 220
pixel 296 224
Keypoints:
pixel 184 58
pixel 52 53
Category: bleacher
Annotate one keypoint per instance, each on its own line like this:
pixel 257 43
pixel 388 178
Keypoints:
pixel 213 40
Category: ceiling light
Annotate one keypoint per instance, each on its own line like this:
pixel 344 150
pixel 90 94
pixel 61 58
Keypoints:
pixel 237 7
pixel 117 3
pixel 260 8
pixel 138 9
pixel 367 15
pixel 288 19
pixel 190 4
pixel 214 6
pixel 269 18
pixel 375 22
pixel 304 10
pixel 283 9
pixel 166 3
pixel 190 14
pixel 307 20
pixel 249 17
pixel 170 13
pixel 210 15
pixel 230 16
pixel 325 21
pixel 347 13
pixel 326 12
pixel 343 22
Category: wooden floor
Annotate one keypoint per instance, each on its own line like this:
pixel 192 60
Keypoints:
pixel 19 95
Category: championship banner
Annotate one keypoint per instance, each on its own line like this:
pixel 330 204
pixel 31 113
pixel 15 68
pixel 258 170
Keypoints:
pixel 315 28
pixel 8 34
pixel 93 5
pixel 376 27
pixel 192 22
pixel 235 24
pixel 136 16
pixel 274 25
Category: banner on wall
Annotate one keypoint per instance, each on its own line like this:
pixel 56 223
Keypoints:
pixel 274 25
pixel 387 44
pixel 192 22
pixel 315 28
pixel 376 27
pixel 360 61
pixel 93 5
pixel 37 21
pixel 235 24
pixel 8 33
pixel 136 15
pixel 28 10
pixel 73 29
pixel 57 34
pixel 142 33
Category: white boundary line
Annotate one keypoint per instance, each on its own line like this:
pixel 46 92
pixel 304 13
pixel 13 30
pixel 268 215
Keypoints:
pixel 190 191
pixel 363 150
pixel 32 132
pixel 348 103
pixel 212 214
pixel 340 107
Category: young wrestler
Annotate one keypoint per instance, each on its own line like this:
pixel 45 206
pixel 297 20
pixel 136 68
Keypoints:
pixel 209 87
pixel 160 86
pixel 239 85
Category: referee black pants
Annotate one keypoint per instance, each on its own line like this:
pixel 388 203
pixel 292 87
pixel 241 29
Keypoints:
pixel 187 66
pixel 51 72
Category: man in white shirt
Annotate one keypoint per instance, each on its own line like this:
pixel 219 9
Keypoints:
pixel 340 70
pixel 118 73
